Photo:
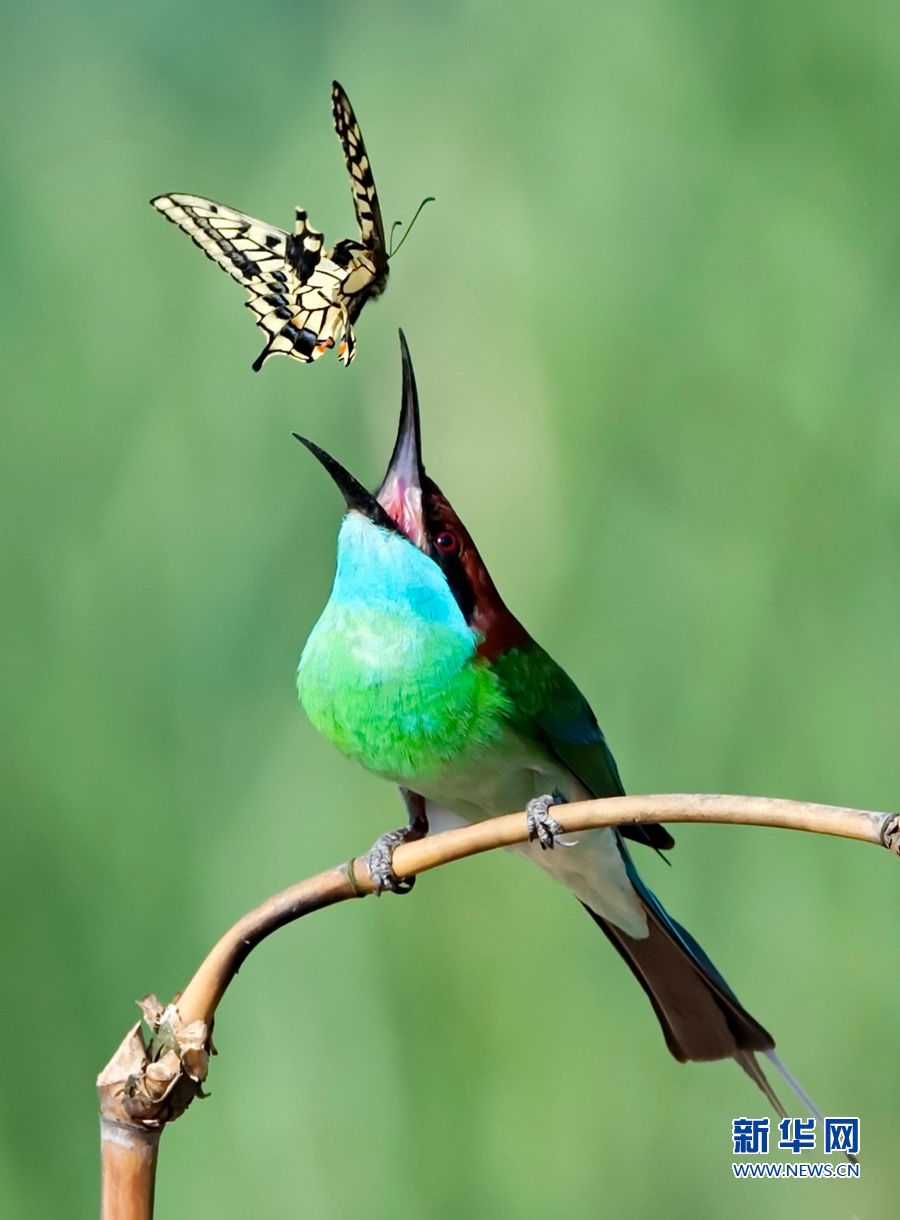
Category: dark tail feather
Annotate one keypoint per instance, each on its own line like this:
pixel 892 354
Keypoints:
pixel 700 1021
pixel 749 1063
pixel 700 1015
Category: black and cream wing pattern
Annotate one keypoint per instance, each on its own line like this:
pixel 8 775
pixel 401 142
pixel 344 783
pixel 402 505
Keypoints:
pixel 305 298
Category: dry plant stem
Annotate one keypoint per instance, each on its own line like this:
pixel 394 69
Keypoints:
pixel 199 1000
pixel 620 810
pixel 201 996
pixel 129 1169
pixel 144 1087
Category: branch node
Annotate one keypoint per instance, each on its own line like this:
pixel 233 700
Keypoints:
pixel 151 1085
pixel 890 834
pixel 349 870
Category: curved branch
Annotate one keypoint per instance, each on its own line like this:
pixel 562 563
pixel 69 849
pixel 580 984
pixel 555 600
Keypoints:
pixel 200 998
pixel 144 1087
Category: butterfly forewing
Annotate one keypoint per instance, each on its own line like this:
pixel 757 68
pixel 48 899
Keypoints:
pixel 362 184
pixel 245 247
pixel 304 298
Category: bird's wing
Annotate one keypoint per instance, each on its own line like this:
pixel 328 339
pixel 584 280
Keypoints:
pixel 700 1015
pixel 548 704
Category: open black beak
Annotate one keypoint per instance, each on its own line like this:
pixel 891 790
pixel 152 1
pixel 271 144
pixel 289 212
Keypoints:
pixel 397 505
pixel 400 493
pixel 355 495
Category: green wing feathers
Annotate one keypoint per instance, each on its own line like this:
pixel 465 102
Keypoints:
pixel 547 704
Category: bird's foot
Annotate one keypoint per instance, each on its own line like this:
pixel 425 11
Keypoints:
pixel 541 825
pixel 379 861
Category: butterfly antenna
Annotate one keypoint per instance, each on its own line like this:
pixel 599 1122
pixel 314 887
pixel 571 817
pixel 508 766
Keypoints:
pixel 394 226
pixel 409 228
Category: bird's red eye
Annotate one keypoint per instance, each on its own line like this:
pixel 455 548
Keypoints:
pixel 447 543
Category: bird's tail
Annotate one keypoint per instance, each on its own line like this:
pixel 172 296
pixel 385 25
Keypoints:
pixel 700 1015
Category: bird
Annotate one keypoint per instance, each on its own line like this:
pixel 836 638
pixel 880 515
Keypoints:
pixel 418 670
pixel 305 298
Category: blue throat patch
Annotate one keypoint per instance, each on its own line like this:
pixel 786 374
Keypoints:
pixel 378 567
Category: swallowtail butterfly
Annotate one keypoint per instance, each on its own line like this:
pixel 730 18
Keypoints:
pixel 304 298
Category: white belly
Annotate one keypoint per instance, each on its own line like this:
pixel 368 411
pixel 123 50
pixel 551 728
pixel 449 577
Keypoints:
pixel 593 869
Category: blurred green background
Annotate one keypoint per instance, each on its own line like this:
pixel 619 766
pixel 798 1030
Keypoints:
pixel 654 313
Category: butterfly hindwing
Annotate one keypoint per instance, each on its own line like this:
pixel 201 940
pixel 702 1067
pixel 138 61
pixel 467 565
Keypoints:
pixel 304 298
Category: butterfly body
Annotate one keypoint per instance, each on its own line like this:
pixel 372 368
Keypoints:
pixel 305 298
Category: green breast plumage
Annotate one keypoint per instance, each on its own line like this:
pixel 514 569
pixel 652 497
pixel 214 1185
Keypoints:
pixel 389 673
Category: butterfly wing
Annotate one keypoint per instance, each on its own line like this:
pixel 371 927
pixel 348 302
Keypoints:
pixel 306 300
pixel 248 249
pixel 362 185
pixel 304 319
pixel 294 290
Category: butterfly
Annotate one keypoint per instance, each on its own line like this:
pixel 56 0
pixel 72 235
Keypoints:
pixel 304 298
